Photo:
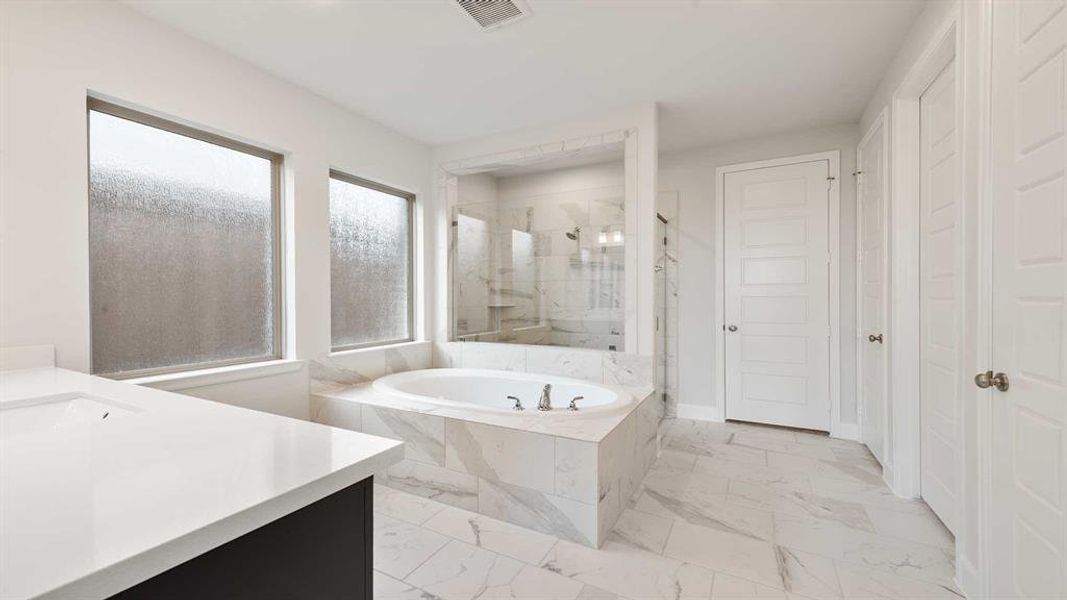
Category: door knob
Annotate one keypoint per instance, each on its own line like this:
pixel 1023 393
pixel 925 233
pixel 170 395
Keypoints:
pixel 1000 381
pixel 732 328
pixel 989 379
pixel 875 338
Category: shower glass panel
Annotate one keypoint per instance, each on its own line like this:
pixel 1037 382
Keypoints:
pixel 538 256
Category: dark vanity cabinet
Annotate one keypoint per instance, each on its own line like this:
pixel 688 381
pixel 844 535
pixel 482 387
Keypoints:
pixel 322 551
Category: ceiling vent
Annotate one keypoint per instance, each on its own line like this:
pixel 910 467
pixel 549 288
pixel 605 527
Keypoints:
pixel 490 14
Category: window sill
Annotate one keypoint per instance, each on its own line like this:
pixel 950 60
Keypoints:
pixel 173 382
pixel 372 349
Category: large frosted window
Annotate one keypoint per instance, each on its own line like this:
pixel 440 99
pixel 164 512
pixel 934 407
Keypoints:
pixel 370 265
pixel 183 246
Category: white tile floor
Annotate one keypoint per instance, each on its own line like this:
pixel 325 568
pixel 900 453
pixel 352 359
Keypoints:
pixel 729 511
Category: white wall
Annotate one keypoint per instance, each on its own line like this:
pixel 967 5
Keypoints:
pixel 692 174
pixel 51 56
pixel 922 31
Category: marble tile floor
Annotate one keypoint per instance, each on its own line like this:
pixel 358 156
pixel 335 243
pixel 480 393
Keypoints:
pixel 729 511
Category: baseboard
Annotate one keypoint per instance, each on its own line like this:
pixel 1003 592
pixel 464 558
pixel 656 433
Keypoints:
pixel 698 412
pixel 846 431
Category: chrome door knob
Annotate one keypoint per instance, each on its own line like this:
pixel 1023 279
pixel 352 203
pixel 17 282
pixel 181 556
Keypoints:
pixel 874 338
pixel 732 328
pixel 1000 381
pixel 990 379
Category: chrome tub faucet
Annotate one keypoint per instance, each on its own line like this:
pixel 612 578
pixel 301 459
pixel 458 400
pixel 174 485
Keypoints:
pixel 545 403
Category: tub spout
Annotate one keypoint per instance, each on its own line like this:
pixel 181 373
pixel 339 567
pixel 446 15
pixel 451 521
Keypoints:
pixel 545 403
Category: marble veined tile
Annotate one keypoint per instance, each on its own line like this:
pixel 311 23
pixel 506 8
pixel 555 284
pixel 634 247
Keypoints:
pixel 479 530
pixel 683 481
pixel 728 587
pixel 826 468
pixel 594 593
pixel 746 439
pixel 899 557
pixel 423 435
pixel 576 470
pixel 769 476
pixel 857 454
pixel 714 511
pixel 389 588
pixel 698 444
pixel 864 582
pixel 401 547
pixel 849 514
pixel 435 483
pixel 868 494
pixel 807 574
pixel 565 362
pixel 501 454
pixel 627 369
pixel 463 572
pixel 725 552
pixel 642 530
pixel 336 413
pixel 406 507
pixel 630 572
pixel 562 517
pixel 923 528
pixel 493 356
pixel 674 460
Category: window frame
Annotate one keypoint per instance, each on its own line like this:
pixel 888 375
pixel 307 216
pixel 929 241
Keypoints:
pixel 410 198
pixel 277 238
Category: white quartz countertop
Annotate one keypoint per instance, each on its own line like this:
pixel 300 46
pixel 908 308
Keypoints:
pixel 93 504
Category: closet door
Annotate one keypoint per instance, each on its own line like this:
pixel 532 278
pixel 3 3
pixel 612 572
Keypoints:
pixel 777 303
pixel 871 289
pixel 939 305
pixel 1029 453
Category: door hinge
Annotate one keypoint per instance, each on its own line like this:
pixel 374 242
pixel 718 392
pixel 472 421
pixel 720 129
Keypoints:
pixel 830 182
pixel 855 173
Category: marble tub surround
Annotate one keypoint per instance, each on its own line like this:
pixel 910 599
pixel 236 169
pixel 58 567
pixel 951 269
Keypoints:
pixel 559 473
pixel 611 368
pixel 351 367
pixel 685 533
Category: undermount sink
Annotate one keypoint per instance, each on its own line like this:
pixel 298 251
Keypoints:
pixel 43 413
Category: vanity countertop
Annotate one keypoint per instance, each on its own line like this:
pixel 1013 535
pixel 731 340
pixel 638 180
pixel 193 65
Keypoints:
pixel 104 484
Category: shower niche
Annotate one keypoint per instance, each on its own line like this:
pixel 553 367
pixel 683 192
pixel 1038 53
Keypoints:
pixel 538 246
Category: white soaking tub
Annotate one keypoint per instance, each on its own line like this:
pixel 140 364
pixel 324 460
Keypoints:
pixel 487 390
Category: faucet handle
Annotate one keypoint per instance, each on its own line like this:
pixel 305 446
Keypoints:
pixel 574 402
pixel 518 403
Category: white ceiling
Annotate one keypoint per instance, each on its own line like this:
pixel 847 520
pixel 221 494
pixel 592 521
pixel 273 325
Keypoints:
pixel 720 70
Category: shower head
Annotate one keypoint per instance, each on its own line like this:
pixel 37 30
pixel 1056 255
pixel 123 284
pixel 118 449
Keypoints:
pixel 573 235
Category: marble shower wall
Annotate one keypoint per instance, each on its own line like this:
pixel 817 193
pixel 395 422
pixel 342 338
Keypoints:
pixel 572 489
pixel 516 275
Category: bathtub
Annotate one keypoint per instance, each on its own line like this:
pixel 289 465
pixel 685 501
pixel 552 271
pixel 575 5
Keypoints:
pixel 488 390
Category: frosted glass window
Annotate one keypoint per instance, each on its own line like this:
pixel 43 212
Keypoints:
pixel 370 263
pixel 182 245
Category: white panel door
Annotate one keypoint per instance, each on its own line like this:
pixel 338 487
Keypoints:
pixel 871 290
pixel 938 290
pixel 777 295
pixel 1029 528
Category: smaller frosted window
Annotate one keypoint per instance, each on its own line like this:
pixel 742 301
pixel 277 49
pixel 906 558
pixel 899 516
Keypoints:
pixel 370 264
